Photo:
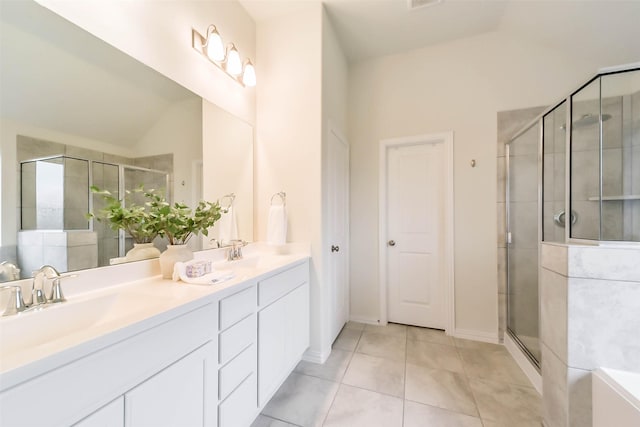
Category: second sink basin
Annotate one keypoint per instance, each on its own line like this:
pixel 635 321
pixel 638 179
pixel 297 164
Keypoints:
pixel 255 261
pixel 55 322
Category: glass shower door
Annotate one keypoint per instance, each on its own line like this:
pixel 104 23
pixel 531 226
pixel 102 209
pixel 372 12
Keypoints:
pixel 522 240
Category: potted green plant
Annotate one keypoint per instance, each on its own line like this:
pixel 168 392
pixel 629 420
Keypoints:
pixel 134 219
pixel 178 223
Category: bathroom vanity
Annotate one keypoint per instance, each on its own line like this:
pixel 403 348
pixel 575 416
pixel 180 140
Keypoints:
pixel 152 352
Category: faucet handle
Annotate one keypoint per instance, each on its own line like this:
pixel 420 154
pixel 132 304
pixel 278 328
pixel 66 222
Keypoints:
pixel 56 288
pixel 56 291
pixel 16 303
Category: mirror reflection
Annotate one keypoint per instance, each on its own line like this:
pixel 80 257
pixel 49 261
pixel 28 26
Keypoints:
pixel 76 112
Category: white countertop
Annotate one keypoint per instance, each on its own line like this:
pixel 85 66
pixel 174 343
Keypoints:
pixel 114 313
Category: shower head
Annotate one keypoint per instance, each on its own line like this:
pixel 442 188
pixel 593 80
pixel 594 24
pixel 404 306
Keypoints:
pixel 587 120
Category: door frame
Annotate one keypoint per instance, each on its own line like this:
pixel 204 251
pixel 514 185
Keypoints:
pixel 445 138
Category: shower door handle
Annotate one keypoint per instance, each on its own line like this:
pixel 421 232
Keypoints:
pixel 560 220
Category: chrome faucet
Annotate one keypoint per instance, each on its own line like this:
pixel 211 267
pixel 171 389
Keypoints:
pixel 235 249
pixel 40 277
pixel 39 296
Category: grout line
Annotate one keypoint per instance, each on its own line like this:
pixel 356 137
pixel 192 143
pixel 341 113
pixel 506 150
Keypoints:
pixel 466 374
pixel 278 419
pixel 339 383
pixel 404 389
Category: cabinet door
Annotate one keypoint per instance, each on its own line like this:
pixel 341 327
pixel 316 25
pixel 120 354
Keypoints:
pixel 271 349
pixel 110 415
pixel 297 308
pixel 283 335
pixel 177 396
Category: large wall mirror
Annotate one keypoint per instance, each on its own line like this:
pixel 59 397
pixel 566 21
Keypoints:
pixel 76 112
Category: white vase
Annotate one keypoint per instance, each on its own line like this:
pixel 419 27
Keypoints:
pixel 173 254
pixel 142 251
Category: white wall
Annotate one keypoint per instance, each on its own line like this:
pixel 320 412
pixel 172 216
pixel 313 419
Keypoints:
pixel 228 142
pixel 158 34
pixel 457 86
pixel 179 131
pixel 288 135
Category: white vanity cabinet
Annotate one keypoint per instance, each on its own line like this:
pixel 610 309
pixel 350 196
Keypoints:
pixel 237 358
pixel 264 330
pixel 283 327
pixel 175 396
pixel 212 361
pixel 110 415
pixel 157 372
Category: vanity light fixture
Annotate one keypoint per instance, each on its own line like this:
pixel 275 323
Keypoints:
pixel 228 60
pixel 249 75
pixel 233 64
pixel 214 46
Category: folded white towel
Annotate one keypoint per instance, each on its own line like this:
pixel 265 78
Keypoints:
pixel 277 225
pixel 227 226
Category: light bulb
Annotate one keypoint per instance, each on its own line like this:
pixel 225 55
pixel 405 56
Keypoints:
pixel 249 76
pixel 215 47
pixel 234 64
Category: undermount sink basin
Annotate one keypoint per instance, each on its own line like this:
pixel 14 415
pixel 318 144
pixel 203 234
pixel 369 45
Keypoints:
pixel 253 261
pixel 58 321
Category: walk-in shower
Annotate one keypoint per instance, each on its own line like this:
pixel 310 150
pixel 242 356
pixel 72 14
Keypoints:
pixel 573 176
pixel 55 198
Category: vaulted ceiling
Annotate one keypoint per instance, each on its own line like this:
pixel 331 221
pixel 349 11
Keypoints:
pixel 606 29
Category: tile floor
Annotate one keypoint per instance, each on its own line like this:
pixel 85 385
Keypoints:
pixel 403 376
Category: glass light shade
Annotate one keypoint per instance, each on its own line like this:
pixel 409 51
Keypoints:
pixel 215 47
pixel 249 76
pixel 234 64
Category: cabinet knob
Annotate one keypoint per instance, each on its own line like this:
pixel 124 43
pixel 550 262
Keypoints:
pixel 391 242
pixel 335 248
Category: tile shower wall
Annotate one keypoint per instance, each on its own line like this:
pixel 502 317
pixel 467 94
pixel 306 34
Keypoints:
pixel 522 251
pixel 589 298
pixel 620 170
pixel 509 122
pixel 105 176
pixel 64 250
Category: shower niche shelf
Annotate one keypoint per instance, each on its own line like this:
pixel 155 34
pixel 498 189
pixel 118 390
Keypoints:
pixel 613 198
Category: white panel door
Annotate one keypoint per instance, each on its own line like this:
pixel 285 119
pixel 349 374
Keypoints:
pixel 415 237
pixel 338 221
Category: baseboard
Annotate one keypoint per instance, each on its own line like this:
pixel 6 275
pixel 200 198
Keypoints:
pixel 366 320
pixel 467 334
pixel 523 362
pixel 315 356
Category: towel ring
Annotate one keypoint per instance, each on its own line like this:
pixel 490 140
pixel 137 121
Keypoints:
pixel 231 197
pixel 283 198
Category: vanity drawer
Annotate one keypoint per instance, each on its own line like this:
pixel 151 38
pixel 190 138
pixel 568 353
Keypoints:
pixel 237 338
pixel 241 407
pixel 236 307
pixel 277 286
pixel 233 373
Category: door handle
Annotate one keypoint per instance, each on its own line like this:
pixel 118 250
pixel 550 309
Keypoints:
pixel 335 248
pixel 391 242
